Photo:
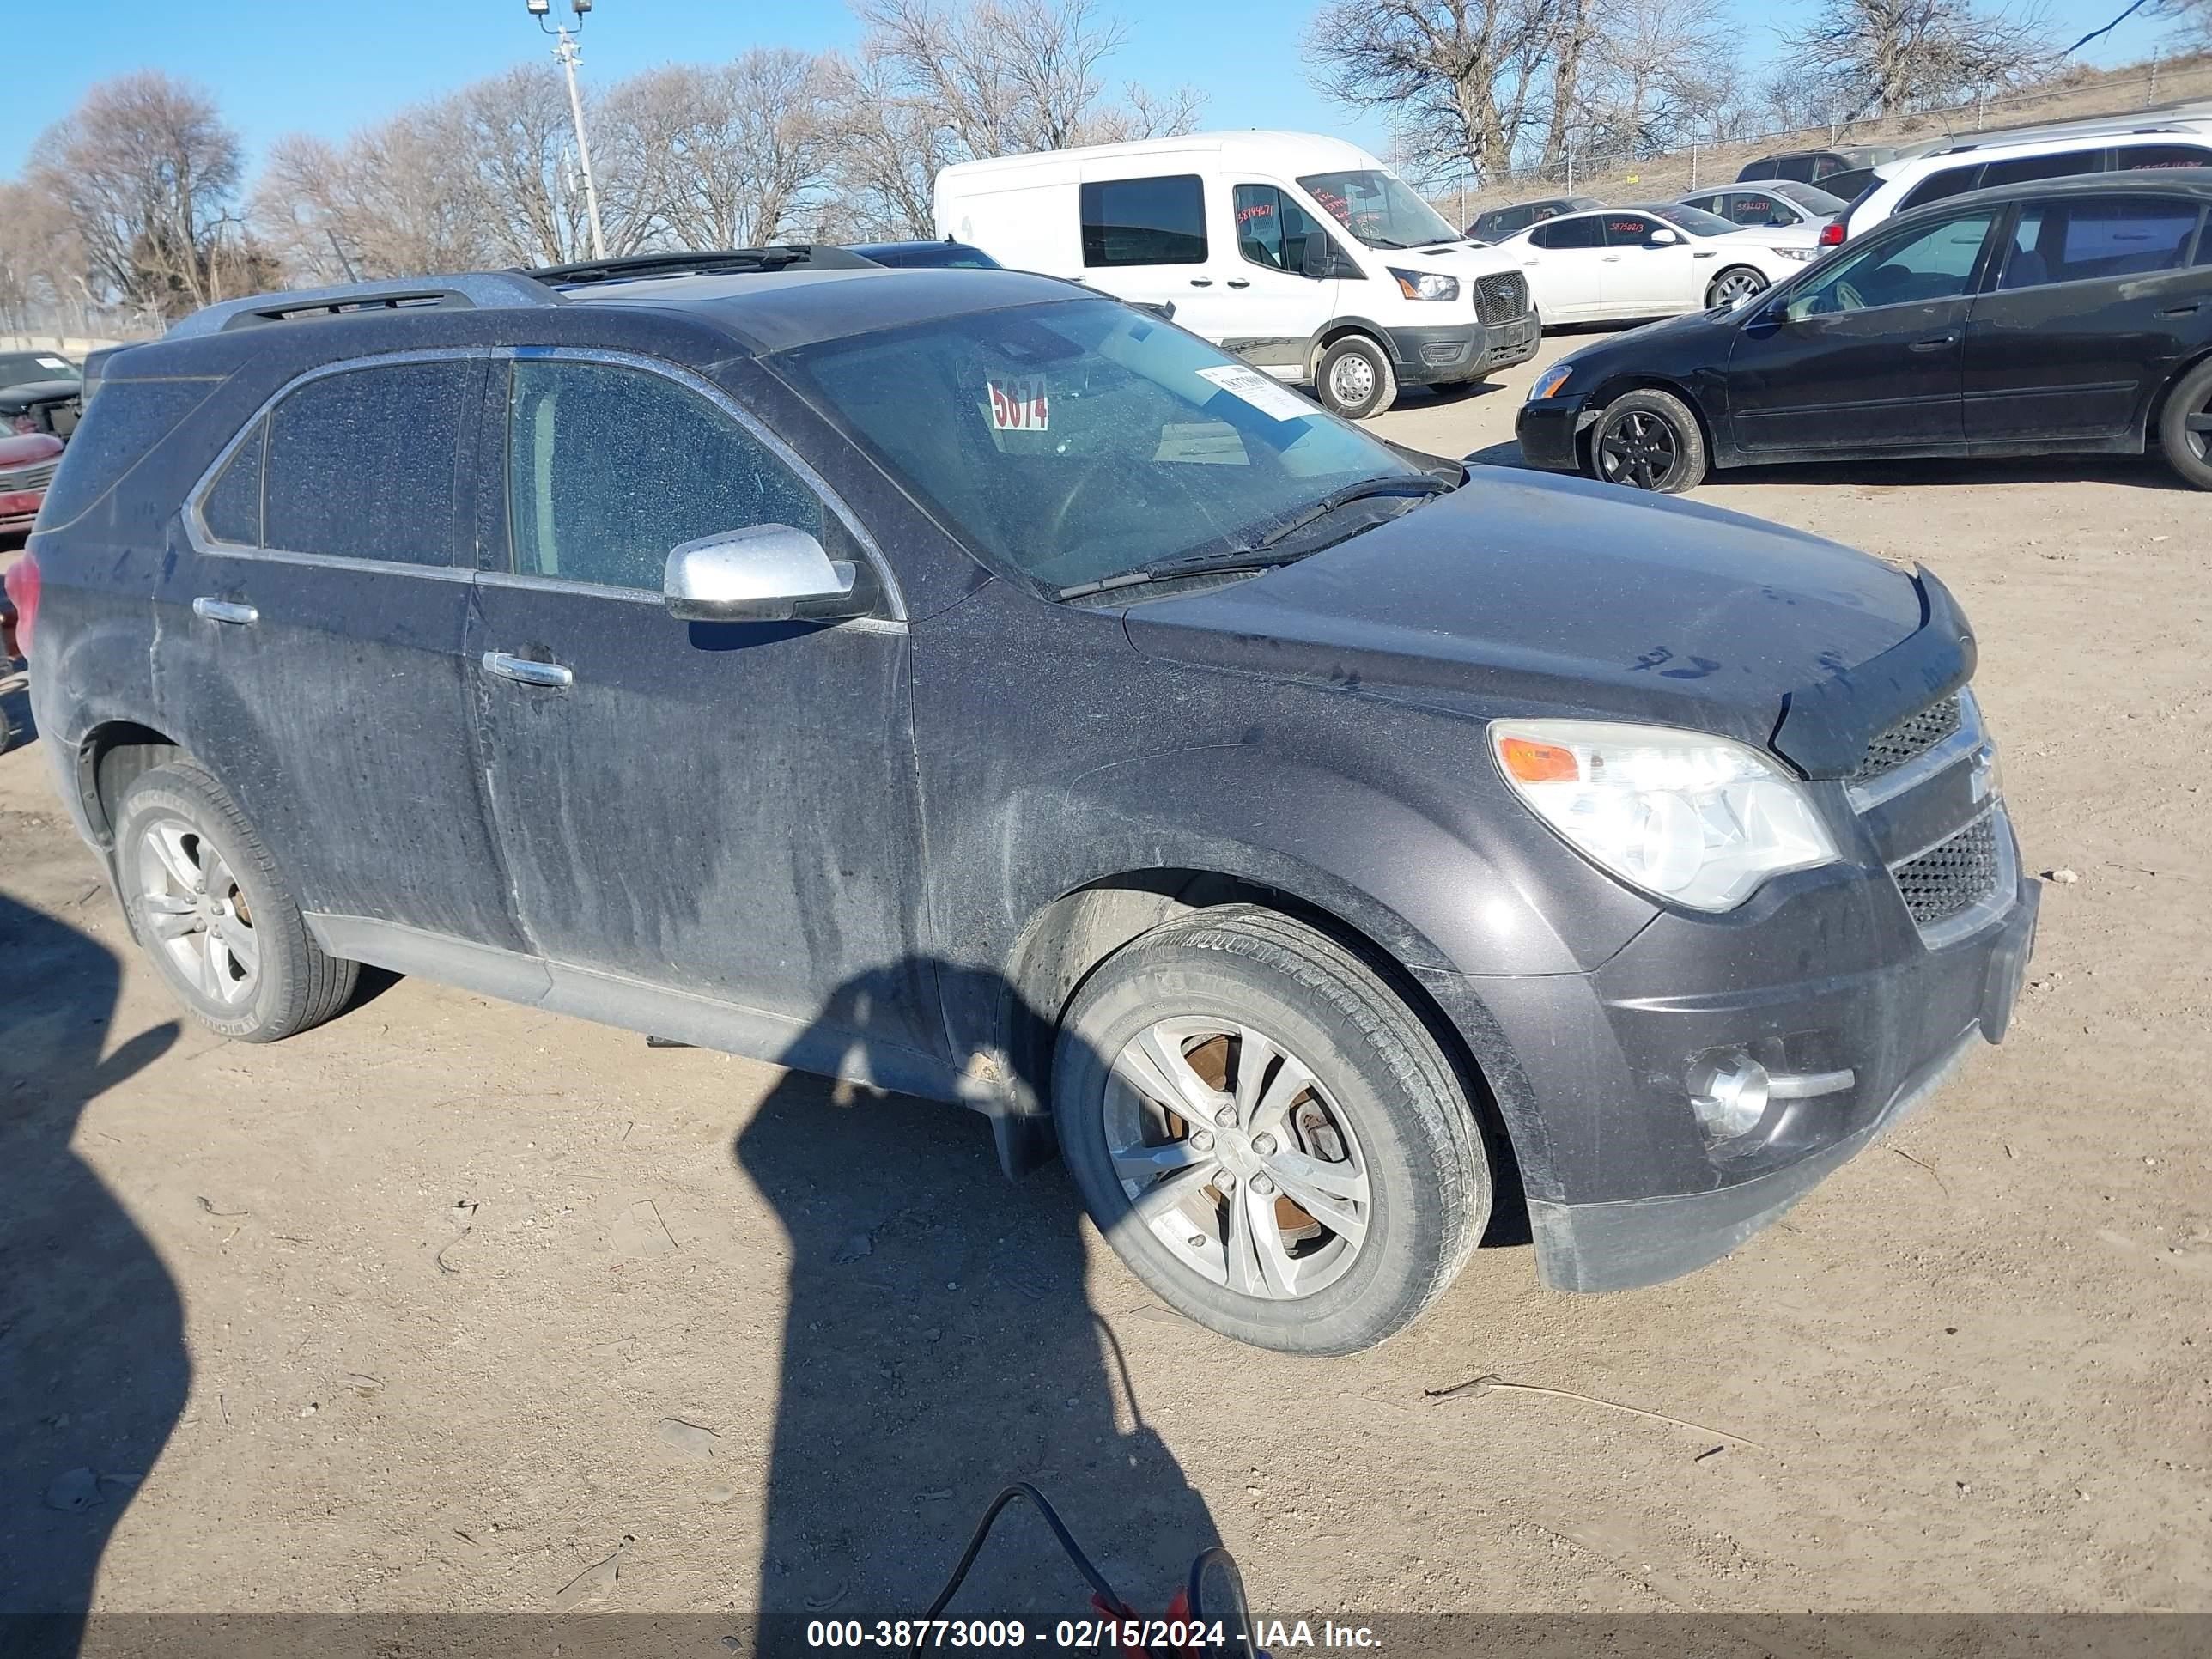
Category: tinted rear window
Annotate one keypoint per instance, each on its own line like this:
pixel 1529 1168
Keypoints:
pixel 2025 169
pixel 362 464
pixel 120 426
pixel 1951 181
pixel 1145 221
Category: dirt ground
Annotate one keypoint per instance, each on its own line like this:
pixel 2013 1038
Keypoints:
pixel 454 1305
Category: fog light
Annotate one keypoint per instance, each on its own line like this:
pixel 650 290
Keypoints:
pixel 1728 1092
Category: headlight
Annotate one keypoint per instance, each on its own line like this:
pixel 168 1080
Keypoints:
pixel 1425 284
pixel 1550 381
pixel 1696 820
pixel 1799 255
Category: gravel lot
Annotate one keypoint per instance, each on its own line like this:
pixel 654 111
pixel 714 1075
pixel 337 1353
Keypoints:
pixel 444 1304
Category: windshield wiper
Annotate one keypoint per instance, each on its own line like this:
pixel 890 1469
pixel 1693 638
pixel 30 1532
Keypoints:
pixel 1419 483
pixel 1258 555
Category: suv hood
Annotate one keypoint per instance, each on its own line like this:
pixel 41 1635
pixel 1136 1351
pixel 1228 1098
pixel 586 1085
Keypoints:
pixel 1528 593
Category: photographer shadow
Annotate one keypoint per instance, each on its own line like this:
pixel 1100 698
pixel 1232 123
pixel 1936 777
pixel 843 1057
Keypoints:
pixel 941 1344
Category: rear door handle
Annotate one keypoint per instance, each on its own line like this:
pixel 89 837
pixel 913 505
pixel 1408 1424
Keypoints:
pixel 2181 311
pixel 529 672
pixel 1934 344
pixel 223 611
pixel 1239 282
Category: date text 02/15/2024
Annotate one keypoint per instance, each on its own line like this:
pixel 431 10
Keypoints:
pixel 1085 1635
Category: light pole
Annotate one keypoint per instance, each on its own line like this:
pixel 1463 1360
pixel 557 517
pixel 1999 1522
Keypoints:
pixel 570 54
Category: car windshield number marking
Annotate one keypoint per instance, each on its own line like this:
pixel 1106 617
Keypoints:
pixel 1020 405
pixel 1271 397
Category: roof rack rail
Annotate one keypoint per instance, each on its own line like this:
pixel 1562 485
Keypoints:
pixel 2056 131
pixel 724 262
pixel 464 292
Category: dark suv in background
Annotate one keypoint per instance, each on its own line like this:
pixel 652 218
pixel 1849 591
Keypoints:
pixel 959 682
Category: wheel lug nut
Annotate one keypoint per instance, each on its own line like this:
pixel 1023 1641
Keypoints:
pixel 1197 1241
pixel 1264 1145
pixel 1203 1141
pixel 1228 1183
pixel 1262 1185
pixel 1226 1117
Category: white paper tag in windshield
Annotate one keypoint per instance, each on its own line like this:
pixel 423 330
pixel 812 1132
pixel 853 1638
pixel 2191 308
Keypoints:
pixel 1020 405
pixel 1271 397
pixel 52 362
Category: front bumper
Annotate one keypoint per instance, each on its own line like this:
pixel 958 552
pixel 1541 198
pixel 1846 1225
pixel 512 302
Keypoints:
pixel 1456 352
pixel 1548 429
pixel 1820 974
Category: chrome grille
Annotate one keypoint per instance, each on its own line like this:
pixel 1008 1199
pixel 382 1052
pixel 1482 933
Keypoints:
pixel 1952 875
pixel 1909 739
pixel 28 477
pixel 1501 296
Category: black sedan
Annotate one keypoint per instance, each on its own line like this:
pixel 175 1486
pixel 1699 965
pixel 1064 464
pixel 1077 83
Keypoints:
pixel 947 255
pixel 40 391
pixel 2070 315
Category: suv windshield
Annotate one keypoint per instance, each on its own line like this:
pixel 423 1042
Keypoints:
pixel 1379 208
pixel 22 368
pixel 1074 442
pixel 1696 221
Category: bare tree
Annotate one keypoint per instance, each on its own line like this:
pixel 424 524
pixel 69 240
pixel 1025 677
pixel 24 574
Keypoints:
pixel 2196 19
pixel 889 144
pixel 42 260
pixel 1890 56
pixel 1462 81
pixel 149 173
pixel 727 155
pixel 1660 71
pixel 398 198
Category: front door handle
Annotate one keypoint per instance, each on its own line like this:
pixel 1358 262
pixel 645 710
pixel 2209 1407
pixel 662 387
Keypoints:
pixel 1239 282
pixel 1936 344
pixel 529 672
pixel 2181 311
pixel 224 611
pixel 1202 281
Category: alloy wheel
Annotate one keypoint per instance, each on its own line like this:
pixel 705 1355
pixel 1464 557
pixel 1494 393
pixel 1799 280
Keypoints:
pixel 198 917
pixel 1736 285
pixel 1640 449
pixel 2197 427
pixel 1236 1159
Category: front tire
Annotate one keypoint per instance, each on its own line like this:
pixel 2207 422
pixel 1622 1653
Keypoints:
pixel 2184 427
pixel 1354 379
pixel 207 902
pixel 1271 1140
pixel 1735 283
pixel 1647 441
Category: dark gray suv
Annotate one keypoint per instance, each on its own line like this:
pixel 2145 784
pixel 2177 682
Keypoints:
pixel 958 682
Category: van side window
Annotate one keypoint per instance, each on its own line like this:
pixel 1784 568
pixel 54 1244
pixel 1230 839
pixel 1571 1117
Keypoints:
pixel 1271 229
pixel 231 510
pixel 1145 221
pixel 361 464
pixel 1951 181
pixel 609 468
pixel 1567 233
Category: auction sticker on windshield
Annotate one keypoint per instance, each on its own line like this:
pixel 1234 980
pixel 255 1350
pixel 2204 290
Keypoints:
pixel 1270 397
pixel 1020 405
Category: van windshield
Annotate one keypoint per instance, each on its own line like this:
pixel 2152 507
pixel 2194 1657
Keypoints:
pixel 1379 208
pixel 1079 442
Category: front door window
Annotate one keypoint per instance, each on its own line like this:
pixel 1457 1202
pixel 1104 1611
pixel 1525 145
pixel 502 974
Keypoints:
pixel 1935 264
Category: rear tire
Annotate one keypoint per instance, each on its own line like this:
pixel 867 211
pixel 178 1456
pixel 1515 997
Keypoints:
pixel 1647 441
pixel 1314 1203
pixel 206 901
pixel 1354 378
pixel 2184 427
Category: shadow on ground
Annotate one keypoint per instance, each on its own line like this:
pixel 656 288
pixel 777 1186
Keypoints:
pixel 937 1348
pixel 93 1368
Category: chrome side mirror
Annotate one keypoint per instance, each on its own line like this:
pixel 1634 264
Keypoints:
pixel 765 572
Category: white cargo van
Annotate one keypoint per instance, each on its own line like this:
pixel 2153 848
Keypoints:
pixel 1305 255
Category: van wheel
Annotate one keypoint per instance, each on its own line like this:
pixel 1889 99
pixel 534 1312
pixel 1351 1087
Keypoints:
pixel 1267 1136
pixel 1354 379
pixel 2184 427
pixel 206 902
pixel 1647 441
pixel 1737 282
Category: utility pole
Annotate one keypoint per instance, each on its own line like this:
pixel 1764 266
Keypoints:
pixel 569 54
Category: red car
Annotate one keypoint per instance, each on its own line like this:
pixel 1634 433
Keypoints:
pixel 26 467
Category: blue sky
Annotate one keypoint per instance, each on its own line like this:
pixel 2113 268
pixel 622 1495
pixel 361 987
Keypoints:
pixel 280 66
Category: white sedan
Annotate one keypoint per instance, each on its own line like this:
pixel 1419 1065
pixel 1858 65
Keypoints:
pixel 1621 264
